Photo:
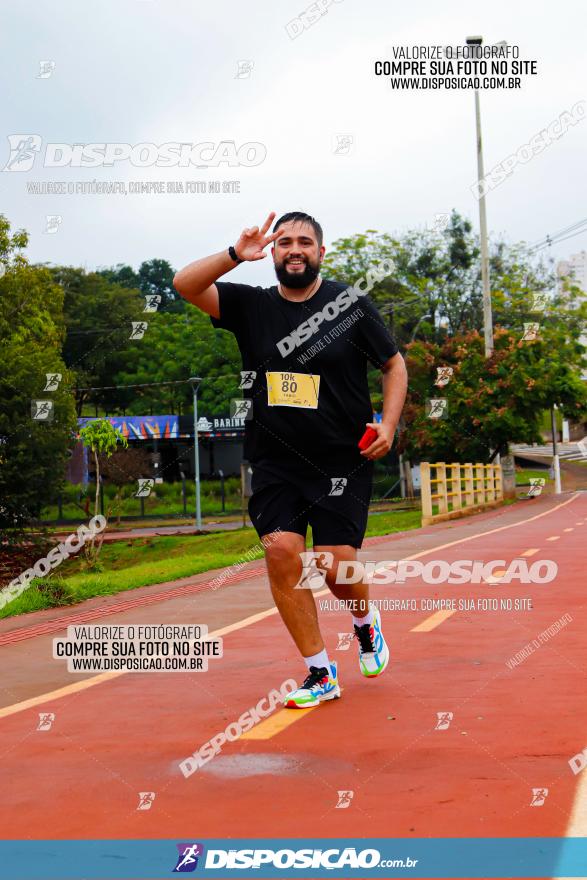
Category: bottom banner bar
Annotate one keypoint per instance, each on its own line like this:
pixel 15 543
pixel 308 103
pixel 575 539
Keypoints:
pixel 381 858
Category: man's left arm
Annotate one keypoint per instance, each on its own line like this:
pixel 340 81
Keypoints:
pixel 395 386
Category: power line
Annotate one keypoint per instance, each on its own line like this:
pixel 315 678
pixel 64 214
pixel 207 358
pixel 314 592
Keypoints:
pixel 562 235
pixel 150 384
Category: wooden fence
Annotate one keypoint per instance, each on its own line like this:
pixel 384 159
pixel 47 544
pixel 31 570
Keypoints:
pixel 453 490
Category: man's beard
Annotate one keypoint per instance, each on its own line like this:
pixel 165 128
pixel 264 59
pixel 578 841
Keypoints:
pixel 297 280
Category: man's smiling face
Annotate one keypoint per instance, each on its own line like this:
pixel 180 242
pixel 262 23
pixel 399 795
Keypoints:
pixel 297 255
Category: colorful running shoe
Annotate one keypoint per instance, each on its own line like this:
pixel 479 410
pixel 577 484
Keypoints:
pixel 373 650
pixel 319 685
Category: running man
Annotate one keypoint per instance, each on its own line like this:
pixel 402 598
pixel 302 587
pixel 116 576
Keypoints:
pixel 305 344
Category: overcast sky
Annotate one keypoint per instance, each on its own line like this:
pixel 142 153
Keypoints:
pixel 156 71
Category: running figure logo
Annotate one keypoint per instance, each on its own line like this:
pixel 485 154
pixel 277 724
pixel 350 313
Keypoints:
pixel 53 222
pixel 146 799
pixel 46 68
pixel 530 332
pixel 338 485
pixel 241 409
pixel 145 486
pixel 46 719
pixel 313 577
pixel 536 486
pixel 344 800
pixel 139 329
pixel 539 795
pixel 343 144
pixel 42 410
pixel 189 853
pixel 444 719
pixel 345 641
pixel 23 149
pixel 436 408
pixel 443 376
pixel 152 302
pixel 53 380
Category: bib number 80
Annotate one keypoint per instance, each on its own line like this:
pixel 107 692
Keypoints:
pixel 288 383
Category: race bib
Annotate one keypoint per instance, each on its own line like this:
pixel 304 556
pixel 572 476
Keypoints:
pixel 293 389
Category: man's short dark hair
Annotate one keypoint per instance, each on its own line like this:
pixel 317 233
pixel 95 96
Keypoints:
pixel 300 217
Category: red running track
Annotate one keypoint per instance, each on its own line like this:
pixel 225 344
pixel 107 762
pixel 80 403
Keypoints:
pixel 512 730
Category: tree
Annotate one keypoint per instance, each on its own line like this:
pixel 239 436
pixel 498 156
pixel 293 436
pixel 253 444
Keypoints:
pixel 154 277
pixel 102 438
pixel 174 348
pixel 99 316
pixel 122 467
pixel 33 448
pixel 490 402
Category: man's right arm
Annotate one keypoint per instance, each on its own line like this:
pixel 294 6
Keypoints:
pixel 195 282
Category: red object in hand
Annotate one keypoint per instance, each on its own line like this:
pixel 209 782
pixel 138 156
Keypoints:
pixel 367 439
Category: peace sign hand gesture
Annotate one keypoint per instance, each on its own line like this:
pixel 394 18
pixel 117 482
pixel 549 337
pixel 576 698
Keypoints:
pixel 252 241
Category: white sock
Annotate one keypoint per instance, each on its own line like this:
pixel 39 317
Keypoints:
pixel 318 660
pixel 368 618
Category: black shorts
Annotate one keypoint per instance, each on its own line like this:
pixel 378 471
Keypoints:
pixel 332 498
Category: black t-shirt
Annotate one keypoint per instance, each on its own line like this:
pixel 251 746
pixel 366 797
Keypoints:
pixel 309 391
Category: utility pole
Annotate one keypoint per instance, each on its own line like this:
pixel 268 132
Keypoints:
pixel 195 383
pixel 487 315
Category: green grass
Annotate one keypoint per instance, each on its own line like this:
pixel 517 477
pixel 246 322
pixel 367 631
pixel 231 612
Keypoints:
pixel 164 500
pixel 523 477
pixel 145 561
